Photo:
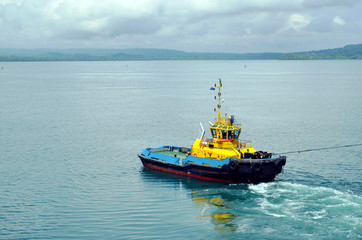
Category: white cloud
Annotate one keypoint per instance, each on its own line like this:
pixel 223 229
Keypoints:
pixel 338 20
pixel 298 21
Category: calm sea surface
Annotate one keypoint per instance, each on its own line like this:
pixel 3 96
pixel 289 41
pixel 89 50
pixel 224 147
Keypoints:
pixel 70 133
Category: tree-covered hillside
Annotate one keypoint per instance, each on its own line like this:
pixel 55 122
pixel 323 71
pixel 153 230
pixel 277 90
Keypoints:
pixel 347 52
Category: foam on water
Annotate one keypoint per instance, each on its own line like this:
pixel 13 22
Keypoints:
pixel 320 211
pixel 280 210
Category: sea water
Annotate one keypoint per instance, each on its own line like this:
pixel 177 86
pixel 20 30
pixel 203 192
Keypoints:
pixel 70 133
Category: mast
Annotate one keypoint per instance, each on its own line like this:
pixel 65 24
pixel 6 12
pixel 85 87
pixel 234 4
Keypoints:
pixel 219 119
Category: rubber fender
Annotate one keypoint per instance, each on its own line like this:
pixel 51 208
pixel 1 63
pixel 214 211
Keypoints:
pixel 279 164
pixel 256 167
pixel 283 159
pixel 233 165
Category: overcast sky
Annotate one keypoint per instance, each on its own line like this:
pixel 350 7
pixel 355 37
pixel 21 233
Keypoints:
pixel 190 25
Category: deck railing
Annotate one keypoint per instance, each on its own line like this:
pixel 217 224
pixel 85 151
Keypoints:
pixel 244 144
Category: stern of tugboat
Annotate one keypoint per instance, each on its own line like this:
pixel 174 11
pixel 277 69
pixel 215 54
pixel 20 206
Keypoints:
pixel 256 170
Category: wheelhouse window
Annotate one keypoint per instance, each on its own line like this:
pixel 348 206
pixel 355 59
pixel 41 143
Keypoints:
pixel 224 134
pixel 231 135
pixel 237 133
pixel 213 132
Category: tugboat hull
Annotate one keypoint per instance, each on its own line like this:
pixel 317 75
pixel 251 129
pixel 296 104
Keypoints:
pixel 227 170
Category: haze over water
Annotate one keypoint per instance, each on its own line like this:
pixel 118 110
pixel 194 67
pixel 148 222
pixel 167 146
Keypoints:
pixel 70 133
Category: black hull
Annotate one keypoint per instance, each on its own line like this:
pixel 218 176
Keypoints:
pixel 237 171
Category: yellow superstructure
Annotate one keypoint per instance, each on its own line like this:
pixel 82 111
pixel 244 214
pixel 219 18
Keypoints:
pixel 225 134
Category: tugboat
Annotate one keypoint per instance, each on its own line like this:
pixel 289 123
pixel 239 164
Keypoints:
pixel 223 158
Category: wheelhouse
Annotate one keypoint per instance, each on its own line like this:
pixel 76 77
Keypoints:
pixel 224 132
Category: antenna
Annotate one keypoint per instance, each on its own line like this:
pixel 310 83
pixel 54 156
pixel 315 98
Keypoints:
pixel 220 100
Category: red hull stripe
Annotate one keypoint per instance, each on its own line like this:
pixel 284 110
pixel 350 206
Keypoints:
pixel 150 166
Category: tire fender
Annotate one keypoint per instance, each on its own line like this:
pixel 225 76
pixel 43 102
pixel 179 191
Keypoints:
pixel 233 165
pixel 256 167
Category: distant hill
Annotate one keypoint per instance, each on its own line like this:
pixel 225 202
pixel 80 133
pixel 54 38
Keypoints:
pixel 23 55
pixel 347 52
pixel 122 54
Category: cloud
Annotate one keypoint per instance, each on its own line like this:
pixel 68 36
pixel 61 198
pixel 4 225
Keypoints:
pixel 298 21
pixel 338 20
pixel 204 25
